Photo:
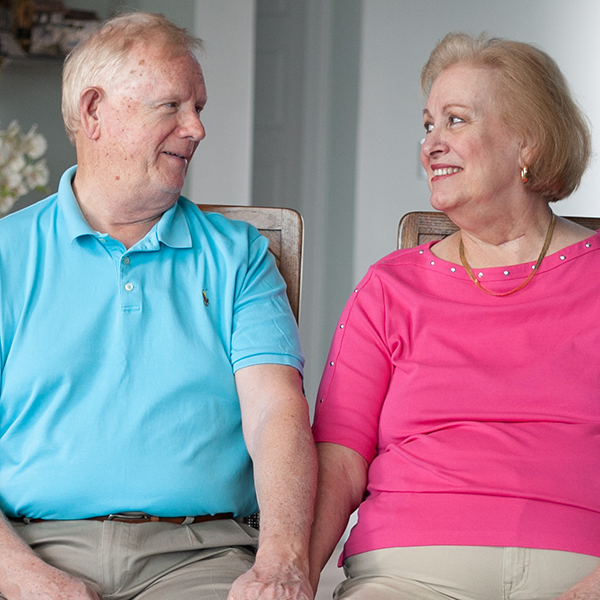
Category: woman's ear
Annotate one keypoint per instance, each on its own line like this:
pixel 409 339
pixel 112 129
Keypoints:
pixel 527 153
pixel 88 112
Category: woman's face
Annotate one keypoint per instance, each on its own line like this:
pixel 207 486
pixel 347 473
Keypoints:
pixel 471 157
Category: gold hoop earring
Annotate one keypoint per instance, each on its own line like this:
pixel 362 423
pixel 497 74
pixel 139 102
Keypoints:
pixel 525 174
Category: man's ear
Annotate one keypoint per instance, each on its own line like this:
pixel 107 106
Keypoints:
pixel 88 112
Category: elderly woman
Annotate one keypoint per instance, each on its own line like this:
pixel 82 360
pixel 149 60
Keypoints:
pixel 460 404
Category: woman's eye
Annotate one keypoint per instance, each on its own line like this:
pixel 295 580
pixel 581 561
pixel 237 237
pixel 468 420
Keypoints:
pixel 454 120
pixel 428 127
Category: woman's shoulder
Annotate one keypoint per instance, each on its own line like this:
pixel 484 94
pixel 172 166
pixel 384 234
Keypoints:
pixel 567 233
pixel 404 256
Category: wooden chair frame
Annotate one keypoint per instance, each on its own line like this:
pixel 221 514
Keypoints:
pixel 283 228
pixel 416 228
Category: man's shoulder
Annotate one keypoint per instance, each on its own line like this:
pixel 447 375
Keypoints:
pixel 14 227
pixel 216 226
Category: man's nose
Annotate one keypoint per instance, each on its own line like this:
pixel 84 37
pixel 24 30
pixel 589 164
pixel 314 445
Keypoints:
pixel 192 126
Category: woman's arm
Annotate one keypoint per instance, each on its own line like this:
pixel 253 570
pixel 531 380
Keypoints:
pixel 341 487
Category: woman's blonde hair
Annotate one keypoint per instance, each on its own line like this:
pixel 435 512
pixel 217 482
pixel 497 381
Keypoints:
pixel 100 58
pixel 535 102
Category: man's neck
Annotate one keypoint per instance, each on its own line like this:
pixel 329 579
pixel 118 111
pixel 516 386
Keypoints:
pixel 115 212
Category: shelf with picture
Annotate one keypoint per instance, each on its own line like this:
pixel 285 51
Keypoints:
pixel 41 30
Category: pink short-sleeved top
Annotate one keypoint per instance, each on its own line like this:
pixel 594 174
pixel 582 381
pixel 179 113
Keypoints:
pixel 479 415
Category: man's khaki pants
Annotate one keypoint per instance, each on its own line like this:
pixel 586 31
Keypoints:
pixel 147 561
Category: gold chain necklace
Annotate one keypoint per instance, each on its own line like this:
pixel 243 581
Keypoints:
pixel 469 270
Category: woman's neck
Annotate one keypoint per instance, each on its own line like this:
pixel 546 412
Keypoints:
pixel 510 233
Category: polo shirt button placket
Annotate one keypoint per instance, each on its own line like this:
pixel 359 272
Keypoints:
pixel 130 300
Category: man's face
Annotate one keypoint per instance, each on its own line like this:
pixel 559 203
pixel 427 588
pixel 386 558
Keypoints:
pixel 151 124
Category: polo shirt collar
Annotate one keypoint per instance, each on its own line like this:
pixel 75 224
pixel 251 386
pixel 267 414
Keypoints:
pixel 69 207
pixel 172 229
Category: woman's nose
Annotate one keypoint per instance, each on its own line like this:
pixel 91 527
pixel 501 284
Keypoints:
pixel 434 143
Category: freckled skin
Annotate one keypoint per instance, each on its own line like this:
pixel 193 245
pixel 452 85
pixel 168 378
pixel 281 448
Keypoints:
pixel 143 131
pixel 140 129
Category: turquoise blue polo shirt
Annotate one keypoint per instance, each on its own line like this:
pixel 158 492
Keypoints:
pixel 117 386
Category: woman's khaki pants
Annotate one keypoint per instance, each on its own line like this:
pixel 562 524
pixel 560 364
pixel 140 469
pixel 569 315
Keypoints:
pixel 462 573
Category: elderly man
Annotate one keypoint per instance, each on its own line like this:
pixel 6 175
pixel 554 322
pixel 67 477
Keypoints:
pixel 149 359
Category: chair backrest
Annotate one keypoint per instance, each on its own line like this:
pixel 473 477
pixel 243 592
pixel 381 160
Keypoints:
pixel 420 227
pixel 283 228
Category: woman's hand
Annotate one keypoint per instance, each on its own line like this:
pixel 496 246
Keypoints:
pixel 586 589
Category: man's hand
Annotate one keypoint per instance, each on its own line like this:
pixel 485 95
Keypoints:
pixel 35 580
pixel 277 433
pixel 277 583
pixel 25 576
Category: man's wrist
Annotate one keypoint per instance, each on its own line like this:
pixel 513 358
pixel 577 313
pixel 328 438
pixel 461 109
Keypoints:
pixel 283 556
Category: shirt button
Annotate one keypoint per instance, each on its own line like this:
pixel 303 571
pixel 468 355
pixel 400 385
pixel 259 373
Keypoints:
pixel 126 260
pixel 128 286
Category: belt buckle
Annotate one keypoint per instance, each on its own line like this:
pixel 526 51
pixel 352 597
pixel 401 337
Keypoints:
pixel 129 516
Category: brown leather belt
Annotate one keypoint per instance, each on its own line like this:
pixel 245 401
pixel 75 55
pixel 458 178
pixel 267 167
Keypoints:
pixel 141 517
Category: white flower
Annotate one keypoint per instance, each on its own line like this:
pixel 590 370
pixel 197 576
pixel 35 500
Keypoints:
pixel 34 145
pixel 13 129
pixel 13 179
pixel 36 175
pixel 4 152
pixel 21 169
pixel 6 203
pixel 15 165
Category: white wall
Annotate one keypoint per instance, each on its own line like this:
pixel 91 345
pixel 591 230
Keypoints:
pixel 397 37
pixel 221 170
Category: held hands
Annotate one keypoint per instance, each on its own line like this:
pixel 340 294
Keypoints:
pixel 272 583
pixel 586 589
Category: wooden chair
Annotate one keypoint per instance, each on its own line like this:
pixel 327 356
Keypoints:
pixel 420 227
pixel 283 228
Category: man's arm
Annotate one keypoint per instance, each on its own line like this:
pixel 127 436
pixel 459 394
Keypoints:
pixel 277 433
pixel 24 576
